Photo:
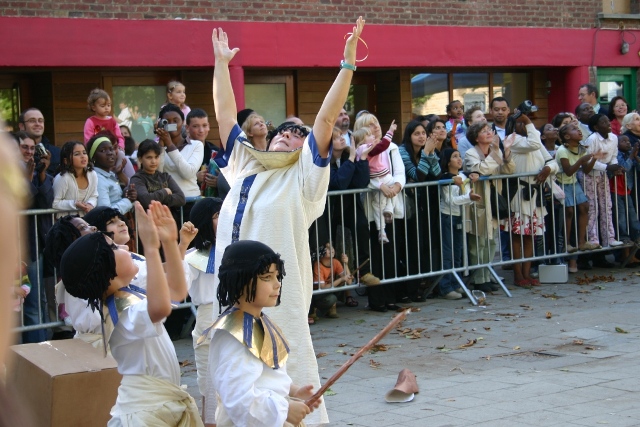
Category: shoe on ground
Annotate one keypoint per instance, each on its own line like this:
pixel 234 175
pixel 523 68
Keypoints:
pixel 382 237
pixel 589 246
pixel 460 291
pixel 614 243
pixel 572 249
pixel 494 286
pixel 380 309
pixel 452 295
pixel 369 280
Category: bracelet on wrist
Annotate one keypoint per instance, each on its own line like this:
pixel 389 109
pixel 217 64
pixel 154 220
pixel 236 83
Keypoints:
pixel 344 64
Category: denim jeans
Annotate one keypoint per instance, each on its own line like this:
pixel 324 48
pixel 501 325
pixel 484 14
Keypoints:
pixel 630 229
pixel 452 235
pixel 35 304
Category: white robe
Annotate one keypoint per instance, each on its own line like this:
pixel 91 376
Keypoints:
pixel 276 205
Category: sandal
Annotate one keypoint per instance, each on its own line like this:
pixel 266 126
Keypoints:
pixel 534 282
pixel 524 283
pixel 351 302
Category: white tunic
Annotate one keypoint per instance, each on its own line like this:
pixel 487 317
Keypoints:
pixel 276 205
pixel 250 392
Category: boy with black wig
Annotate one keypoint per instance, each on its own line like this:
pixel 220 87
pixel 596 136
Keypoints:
pixel 248 352
pixel 96 269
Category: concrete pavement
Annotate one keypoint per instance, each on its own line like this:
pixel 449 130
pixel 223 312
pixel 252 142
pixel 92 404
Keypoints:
pixel 557 355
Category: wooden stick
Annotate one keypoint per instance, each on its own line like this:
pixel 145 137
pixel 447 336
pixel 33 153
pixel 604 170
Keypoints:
pixel 394 322
pixel 361 265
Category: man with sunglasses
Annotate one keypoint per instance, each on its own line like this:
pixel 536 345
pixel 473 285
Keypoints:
pixel 31 121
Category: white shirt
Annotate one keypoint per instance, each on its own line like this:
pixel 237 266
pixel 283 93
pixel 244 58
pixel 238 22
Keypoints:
pixel 143 348
pixel 183 165
pixel 608 145
pixel 250 392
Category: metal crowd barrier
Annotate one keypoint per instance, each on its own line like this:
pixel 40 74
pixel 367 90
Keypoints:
pixel 415 252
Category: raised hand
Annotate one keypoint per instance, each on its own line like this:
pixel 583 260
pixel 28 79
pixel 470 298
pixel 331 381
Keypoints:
pixel 188 232
pixel 164 222
pixel 147 230
pixel 352 42
pixel 393 126
pixel 507 143
pixel 221 50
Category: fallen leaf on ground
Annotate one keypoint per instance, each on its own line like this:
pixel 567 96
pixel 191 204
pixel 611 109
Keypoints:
pixel 374 364
pixel 486 328
pixel 186 363
pixel 590 348
pixel 578 342
pixel 359 321
pixel 342 345
pixel 329 392
pixel 469 343
pixel 380 347
pixel 548 315
pixel 516 347
pixel 621 331
pixel 319 355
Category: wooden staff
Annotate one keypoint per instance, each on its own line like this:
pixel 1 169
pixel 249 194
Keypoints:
pixel 394 322
pixel 361 265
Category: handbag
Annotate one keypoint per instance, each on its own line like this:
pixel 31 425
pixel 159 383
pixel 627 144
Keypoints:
pixel 499 204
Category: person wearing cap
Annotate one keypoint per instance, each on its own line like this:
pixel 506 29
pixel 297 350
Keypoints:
pixel 98 270
pixel 276 195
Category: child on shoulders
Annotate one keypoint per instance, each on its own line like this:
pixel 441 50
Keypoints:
pixel 99 102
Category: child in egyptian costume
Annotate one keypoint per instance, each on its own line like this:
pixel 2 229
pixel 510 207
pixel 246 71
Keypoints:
pixel 98 270
pixel 248 352
pixel 201 261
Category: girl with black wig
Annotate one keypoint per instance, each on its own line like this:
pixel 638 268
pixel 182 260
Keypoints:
pixel 201 260
pixel 96 269
pixel 248 352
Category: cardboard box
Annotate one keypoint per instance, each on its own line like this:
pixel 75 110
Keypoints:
pixel 553 273
pixel 64 383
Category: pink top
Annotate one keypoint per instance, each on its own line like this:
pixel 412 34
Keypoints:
pixel 94 124
pixel 378 157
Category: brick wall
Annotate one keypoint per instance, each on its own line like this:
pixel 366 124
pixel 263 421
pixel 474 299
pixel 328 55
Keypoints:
pixel 518 13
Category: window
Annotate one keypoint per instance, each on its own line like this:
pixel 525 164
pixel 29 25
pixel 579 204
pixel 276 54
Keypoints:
pixel 431 92
pixel 10 107
pixel 138 107
pixel 271 95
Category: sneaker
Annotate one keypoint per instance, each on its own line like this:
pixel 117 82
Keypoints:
pixel 614 243
pixel 382 236
pixel 589 246
pixel 369 280
pixel 452 295
pixel 572 249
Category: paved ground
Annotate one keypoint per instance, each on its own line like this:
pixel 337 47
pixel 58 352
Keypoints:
pixel 558 355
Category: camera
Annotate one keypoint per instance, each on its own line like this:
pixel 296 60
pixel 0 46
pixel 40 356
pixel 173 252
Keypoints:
pixel 40 150
pixel 168 127
pixel 526 107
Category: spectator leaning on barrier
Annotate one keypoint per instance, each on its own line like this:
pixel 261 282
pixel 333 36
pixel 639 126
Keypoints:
pixel 527 204
pixel 40 197
pixel 618 109
pixel 76 187
pixel 487 159
pixel 31 121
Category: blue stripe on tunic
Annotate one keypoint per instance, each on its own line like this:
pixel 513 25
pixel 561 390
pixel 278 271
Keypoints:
pixel 242 204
